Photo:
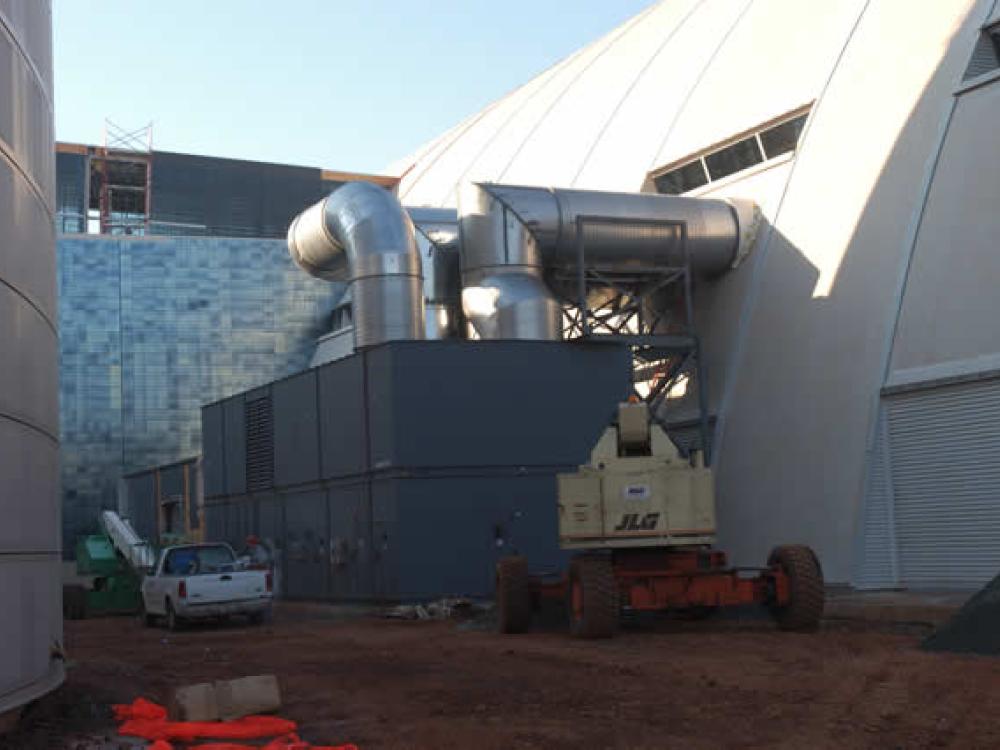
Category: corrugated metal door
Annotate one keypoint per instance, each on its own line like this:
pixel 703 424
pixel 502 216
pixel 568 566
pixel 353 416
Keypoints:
pixel 944 448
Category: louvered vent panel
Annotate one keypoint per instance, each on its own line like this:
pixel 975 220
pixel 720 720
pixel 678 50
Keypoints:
pixel 986 55
pixel 260 444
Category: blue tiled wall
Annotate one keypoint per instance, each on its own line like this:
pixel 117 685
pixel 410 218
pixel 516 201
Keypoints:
pixel 151 329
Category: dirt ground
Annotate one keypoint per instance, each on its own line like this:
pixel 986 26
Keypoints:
pixel 668 684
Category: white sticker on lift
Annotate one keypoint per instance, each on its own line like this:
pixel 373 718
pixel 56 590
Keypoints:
pixel 635 492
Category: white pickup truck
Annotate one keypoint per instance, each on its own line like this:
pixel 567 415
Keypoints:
pixel 200 581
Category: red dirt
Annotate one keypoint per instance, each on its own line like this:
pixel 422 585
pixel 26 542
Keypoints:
pixel 716 684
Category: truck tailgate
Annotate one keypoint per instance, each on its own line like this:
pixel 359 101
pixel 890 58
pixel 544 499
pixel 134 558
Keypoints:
pixel 217 588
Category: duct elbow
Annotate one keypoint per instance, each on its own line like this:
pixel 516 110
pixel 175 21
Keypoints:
pixel 361 234
pixel 313 248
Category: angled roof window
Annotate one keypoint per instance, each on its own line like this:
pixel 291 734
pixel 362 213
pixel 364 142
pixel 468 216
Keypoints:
pixel 760 145
pixel 782 138
pixel 732 159
pixel 690 176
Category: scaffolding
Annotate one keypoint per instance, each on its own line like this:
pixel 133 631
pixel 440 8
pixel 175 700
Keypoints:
pixel 121 173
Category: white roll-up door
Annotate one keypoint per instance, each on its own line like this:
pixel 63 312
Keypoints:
pixel 943 487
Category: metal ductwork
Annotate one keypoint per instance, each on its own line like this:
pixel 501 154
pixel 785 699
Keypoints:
pixel 437 242
pixel 361 234
pixel 504 295
pixel 525 231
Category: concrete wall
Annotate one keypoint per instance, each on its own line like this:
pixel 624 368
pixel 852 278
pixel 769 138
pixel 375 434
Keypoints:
pixel 31 624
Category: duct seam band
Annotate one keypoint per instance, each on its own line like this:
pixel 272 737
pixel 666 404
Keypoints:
pixel 385 264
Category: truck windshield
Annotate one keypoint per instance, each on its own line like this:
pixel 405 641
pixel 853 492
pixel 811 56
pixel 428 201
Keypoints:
pixel 192 561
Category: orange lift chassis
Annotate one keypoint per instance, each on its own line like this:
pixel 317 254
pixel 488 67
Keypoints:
pixel 641 519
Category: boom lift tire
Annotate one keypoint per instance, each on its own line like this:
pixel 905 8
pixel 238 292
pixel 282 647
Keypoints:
pixel 513 595
pixel 593 598
pixel 806 591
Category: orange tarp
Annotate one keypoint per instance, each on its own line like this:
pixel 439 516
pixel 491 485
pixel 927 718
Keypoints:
pixel 143 718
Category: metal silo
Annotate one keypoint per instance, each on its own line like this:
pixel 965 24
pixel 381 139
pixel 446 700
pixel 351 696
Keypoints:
pixel 30 591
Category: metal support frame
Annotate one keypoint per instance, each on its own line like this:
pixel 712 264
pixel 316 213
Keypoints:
pixel 132 147
pixel 624 318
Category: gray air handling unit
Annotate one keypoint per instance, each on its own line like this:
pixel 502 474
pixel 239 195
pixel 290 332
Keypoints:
pixel 407 469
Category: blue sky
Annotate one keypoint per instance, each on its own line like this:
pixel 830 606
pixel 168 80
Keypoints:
pixel 340 84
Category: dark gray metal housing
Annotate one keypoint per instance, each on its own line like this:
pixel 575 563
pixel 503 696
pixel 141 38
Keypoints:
pixel 406 470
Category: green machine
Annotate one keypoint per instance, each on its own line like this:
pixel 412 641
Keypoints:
pixel 115 587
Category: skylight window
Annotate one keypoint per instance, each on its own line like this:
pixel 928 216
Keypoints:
pixel 690 176
pixel 732 159
pixel 782 138
pixel 758 147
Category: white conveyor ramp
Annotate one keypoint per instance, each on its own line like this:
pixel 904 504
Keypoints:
pixel 132 547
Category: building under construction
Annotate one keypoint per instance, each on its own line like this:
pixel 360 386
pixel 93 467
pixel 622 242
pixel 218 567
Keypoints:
pixel 850 384
pixel 126 188
pixel 175 288
pixel 818 180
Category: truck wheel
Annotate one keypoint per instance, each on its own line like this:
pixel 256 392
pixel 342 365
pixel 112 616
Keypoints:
pixel 806 591
pixel 593 598
pixel 173 621
pixel 513 595
pixel 145 619
pixel 74 602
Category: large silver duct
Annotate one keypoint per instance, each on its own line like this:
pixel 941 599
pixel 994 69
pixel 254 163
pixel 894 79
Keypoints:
pixel 524 231
pixel 504 295
pixel 437 241
pixel 361 234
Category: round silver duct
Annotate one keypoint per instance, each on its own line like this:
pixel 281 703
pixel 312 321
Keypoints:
pixel 622 230
pixel 437 241
pixel 512 305
pixel 361 234
pixel 504 295
pixel 508 229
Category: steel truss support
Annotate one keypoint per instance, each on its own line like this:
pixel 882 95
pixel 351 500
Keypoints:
pixel 650 310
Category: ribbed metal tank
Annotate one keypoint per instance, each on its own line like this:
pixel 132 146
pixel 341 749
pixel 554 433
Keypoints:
pixel 31 623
